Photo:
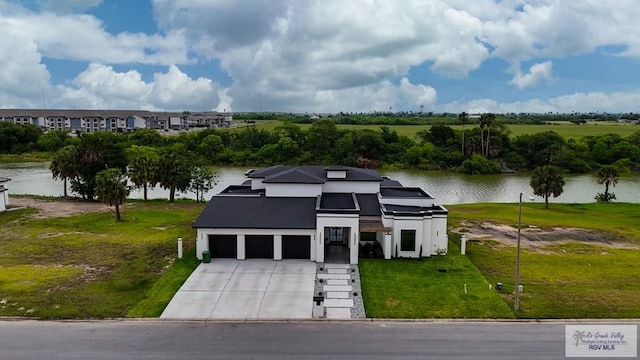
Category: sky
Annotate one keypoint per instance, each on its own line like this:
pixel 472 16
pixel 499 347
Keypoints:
pixel 321 56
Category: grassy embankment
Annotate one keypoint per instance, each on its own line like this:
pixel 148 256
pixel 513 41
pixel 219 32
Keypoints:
pixel 89 266
pixel 566 130
pixel 562 280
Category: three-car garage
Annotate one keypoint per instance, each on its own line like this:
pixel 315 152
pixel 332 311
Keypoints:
pixel 260 246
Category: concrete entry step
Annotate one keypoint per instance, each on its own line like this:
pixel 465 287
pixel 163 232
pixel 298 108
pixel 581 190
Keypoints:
pixel 337 295
pixel 338 313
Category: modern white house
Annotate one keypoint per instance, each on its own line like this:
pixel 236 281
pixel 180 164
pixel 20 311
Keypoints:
pixel 318 213
pixel 4 194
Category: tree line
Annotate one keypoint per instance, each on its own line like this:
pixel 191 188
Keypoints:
pixel 478 148
pixel 101 164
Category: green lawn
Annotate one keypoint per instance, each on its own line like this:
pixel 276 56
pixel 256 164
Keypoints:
pixel 564 279
pixel 416 289
pixel 570 280
pixel 89 266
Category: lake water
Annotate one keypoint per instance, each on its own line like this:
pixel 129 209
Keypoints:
pixel 447 187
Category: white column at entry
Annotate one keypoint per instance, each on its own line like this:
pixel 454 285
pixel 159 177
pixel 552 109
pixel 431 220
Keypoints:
pixel 241 247
pixel 277 247
pixel 387 245
pixel 353 251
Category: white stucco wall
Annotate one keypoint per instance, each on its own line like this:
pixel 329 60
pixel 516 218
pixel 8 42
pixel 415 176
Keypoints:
pixel 427 239
pixel 439 233
pixel 360 187
pixel 202 239
pixel 256 184
pixel 293 190
pixel 338 174
pixel 4 199
pixel 405 223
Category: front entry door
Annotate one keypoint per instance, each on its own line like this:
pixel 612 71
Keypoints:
pixel 336 235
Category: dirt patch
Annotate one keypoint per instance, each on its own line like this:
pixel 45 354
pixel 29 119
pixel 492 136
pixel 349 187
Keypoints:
pixel 58 208
pixel 536 238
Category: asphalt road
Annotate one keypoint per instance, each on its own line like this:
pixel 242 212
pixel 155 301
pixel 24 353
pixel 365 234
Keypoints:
pixel 159 340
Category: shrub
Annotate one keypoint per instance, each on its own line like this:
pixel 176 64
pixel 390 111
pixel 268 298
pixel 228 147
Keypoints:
pixel 479 164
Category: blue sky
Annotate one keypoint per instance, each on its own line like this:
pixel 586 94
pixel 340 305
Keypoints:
pixel 325 56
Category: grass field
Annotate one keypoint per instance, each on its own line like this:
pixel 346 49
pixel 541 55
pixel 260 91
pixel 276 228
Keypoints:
pixel 573 279
pixel 566 130
pixel 89 266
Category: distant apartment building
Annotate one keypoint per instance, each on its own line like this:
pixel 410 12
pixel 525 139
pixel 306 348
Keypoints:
pixel 86 121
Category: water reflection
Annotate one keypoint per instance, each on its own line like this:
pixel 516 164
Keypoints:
pixel 446 187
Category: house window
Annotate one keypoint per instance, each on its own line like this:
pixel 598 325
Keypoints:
pixel 407 240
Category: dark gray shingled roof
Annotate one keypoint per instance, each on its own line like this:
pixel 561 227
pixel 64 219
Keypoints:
pixel 337 201
pixel 413 210
pixel 369 205
pixel 294 175
pixel 258 213
pixel 390 183
pixel 404 192
pixel 289 174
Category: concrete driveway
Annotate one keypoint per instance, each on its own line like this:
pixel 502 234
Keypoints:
pixel 246 289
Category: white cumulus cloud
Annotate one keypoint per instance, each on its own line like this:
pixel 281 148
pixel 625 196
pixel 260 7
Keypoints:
pixel 537 73
pixel 100 86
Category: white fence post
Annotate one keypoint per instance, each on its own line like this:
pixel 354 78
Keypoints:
pixel 463 244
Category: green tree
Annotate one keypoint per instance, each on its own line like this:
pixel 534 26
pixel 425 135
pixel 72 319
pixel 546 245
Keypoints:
pixel 322 137
pixel 97 151
pixel 486 121
pixel 389 135
pixel 202 180
pixel 112 189
pixel 53 140
pixel 547 180
pixel 64 165
pixel 174 169
pixel 147 137
pixel 539 149
pixel 463 119
pixel 211 146
pixel 17 138
pixel 143 167
pixel 368 144
pixel 609 176
pixel 438 135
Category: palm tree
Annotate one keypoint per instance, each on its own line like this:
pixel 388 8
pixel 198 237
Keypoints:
pixel 607 175
pixel 463 118
pixel 64 165
pixel 112 189
pixel 143 165
pixel 547 180
pixel 486 120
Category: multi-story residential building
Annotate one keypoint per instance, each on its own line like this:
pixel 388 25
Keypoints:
pixel 113 120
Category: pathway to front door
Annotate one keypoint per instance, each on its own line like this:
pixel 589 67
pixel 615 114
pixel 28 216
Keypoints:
pixel 340 286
